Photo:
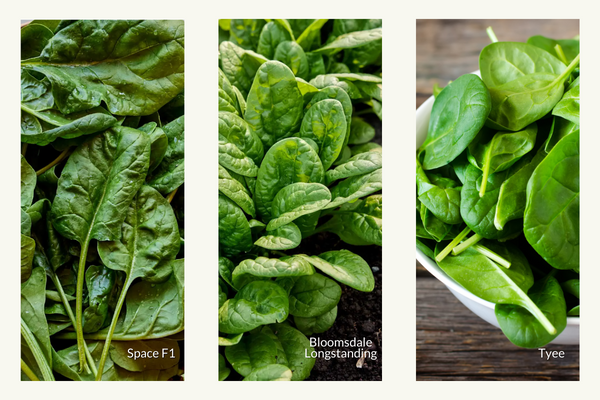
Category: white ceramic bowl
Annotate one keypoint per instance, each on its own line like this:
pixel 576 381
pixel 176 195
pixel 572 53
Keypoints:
pixel 484 309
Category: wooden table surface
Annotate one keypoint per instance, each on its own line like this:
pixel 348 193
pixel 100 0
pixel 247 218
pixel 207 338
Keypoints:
pixel 452 342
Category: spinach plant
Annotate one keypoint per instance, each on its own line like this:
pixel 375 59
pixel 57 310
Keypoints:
pixel 296 158
pixel 102 133
pixel 498 185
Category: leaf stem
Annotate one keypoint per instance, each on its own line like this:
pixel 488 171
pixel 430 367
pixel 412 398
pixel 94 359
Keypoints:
pixel 442 254
pixel 69 311
pixel 58 159
pixel 79 306
pixel 561 54
pixel 111 330
pixel 25 368
pixel 539 315
pixel 171 195
pixel 24 149
pixel 466 244
pixel 491 34
pixel 486 171
pixel 569 69
pixel 491 255
pixel 37 352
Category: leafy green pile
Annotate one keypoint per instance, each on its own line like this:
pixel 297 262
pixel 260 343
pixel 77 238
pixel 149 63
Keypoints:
pixel 501 160
pixel 102 132
pixel 296 158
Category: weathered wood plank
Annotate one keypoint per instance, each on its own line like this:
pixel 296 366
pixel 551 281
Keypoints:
pixel 455 344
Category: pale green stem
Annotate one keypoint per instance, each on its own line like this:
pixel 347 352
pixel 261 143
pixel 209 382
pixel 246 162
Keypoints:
pixel 466 244
pixel 69 311
pixel 561 54
pixel 37 352
pixel 442 254
pixel 569 69
pixel 58 159
pixel 79 306
pixel 491 34
pixel 111 330
pixel 491 255
pixel 486 170
pixel 25 368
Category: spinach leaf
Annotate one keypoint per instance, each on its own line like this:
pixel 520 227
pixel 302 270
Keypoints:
pixel 522 328
pixel 551 223
pixel 114 61
pixel 450 131
pixel 274 108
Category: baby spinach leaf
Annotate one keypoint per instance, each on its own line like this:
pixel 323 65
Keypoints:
pixel 313 295
pixel 479 212
pixel 325 123
pixel 359 164
pixel 355 187
pixel 271 267
pixel 291 54
pixel 500 151
pixel 236 191
pixel 360 225
pixel 503 62
pixel 288 161
pixel 551 222
pixel 522 328
pixel 513 192
pixel 492 282
pixel 560 128
pixel 234 230
pixel 285 237
pixel 258 303
pixel 345 267
pixel 450 130
pixel 296 200
pixel 271 36
pixel 568 106
pixel 339 94
pixel 239 65
pixel 440 195
pixel 274 108
pixel 255 351
pixel 234 131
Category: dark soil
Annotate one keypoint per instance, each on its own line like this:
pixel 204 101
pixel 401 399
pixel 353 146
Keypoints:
pixel 359 316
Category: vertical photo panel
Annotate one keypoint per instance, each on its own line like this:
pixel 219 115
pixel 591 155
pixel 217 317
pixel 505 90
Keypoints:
pixel 300 199
pixel 497 206
pixel 102 200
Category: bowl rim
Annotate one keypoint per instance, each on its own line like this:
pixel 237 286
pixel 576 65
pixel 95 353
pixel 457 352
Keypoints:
pixel 422 122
